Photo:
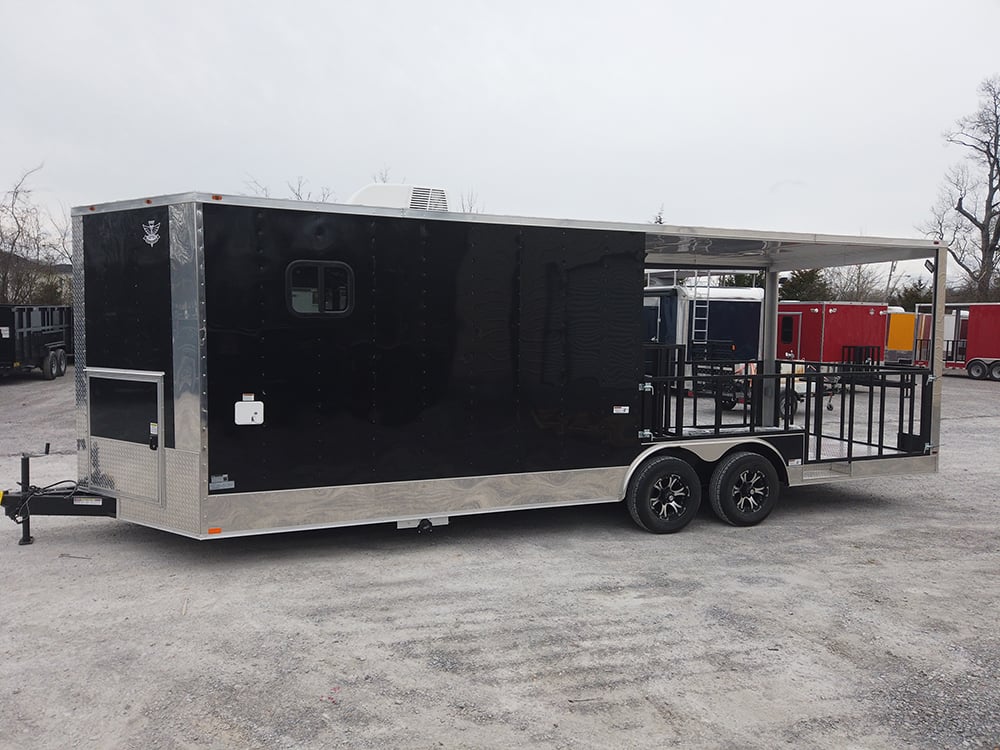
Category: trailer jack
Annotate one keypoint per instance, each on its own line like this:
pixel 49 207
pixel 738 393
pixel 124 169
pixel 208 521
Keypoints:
pixel 58 499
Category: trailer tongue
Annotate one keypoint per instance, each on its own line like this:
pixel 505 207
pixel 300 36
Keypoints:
pixel 59 499
pixel 247 366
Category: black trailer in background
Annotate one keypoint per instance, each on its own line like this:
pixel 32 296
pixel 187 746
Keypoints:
pixel 36 337
pixel 248 366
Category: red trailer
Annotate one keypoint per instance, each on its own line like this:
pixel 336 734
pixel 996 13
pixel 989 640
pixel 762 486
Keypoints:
pixel 972 338
pixel 831 331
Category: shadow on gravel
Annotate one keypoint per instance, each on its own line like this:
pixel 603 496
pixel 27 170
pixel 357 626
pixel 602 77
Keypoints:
pixel 823 504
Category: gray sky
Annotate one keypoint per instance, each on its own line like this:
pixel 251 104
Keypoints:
pixel 785 115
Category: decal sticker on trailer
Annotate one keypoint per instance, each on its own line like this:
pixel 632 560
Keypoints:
pixel 221 482
pixel 151 232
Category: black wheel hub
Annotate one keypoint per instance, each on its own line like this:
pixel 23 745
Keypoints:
pixel 749 491
pixel 668 497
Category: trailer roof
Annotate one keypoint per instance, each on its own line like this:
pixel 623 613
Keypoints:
pixel 666 246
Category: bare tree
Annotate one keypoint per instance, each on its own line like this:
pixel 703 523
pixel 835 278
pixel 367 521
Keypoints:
pixel 27 247
pixel 658 216
pixel 381 175
pixel 297 190
pixel 966 213
pixel 862 283
pixel 301 193
pixel 257 188
pixel 470 202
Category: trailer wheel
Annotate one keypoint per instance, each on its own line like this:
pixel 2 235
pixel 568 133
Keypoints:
pixel 727 402
pixel 743 489
pixel 995 371
pixel 50 366
pixel 788 404
pixel 977 369
pixel 61 362
pixel 664 495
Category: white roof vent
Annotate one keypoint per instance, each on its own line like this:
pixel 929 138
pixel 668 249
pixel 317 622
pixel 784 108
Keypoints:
pixel 384 195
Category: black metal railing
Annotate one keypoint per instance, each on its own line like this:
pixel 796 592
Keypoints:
pixel 844 411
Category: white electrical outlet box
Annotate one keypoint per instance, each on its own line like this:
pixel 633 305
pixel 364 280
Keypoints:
pixel 249 412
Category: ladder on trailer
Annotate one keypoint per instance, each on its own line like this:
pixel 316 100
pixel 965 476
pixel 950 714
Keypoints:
pixel 699 319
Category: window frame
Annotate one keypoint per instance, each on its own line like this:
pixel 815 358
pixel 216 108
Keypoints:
pixel 320 265
pixel 791 330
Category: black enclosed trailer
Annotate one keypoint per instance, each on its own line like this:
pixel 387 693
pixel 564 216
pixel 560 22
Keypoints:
pixel 36 336
pixel 250 365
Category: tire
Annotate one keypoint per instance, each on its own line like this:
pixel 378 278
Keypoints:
pixel 744 489
pixel 995 371
pixel 664 495
pixel 788 405
pixel 977 369
pixel 728 403
pixel 50 366
pixel 61 362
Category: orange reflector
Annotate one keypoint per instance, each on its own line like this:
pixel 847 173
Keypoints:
pixel 215 530
pixel 93 208
pixel 216 197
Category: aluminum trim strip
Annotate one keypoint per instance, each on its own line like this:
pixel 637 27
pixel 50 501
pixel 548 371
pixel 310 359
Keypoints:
pixel 109 373
pixel 392 501
pixel 417 518
pixel 877 467
pixel 802 238
pixel 186 323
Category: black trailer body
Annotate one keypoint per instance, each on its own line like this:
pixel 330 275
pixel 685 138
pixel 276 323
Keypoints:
pixel 249 365
pixel 35 336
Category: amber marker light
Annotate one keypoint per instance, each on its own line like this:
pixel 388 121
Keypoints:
pixel 215 530
pixel 216 197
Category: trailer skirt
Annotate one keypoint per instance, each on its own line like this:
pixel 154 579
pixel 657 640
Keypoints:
pixel 237 514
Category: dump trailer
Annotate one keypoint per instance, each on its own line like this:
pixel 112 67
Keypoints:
pixel 35 337
pixel 247 365
pixel 971 339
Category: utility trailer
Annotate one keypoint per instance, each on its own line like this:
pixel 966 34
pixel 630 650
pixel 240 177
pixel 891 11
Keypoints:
pixel 971 338
pixel 248 365
pixel 36 336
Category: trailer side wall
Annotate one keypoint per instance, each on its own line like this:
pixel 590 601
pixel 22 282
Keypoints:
pixel 460 349
pixel 983 332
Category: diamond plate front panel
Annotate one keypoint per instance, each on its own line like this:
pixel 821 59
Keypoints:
pixel 129 469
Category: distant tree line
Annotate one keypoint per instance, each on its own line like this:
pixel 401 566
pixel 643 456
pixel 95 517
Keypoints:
pixel 864 283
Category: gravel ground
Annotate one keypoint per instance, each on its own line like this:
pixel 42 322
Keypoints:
pixel 859 615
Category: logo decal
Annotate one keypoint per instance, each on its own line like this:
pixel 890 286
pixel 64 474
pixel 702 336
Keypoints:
pixel 152 232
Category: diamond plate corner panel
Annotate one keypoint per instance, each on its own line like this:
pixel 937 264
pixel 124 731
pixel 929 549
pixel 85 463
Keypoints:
pixel 80 351
pixel 181 511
